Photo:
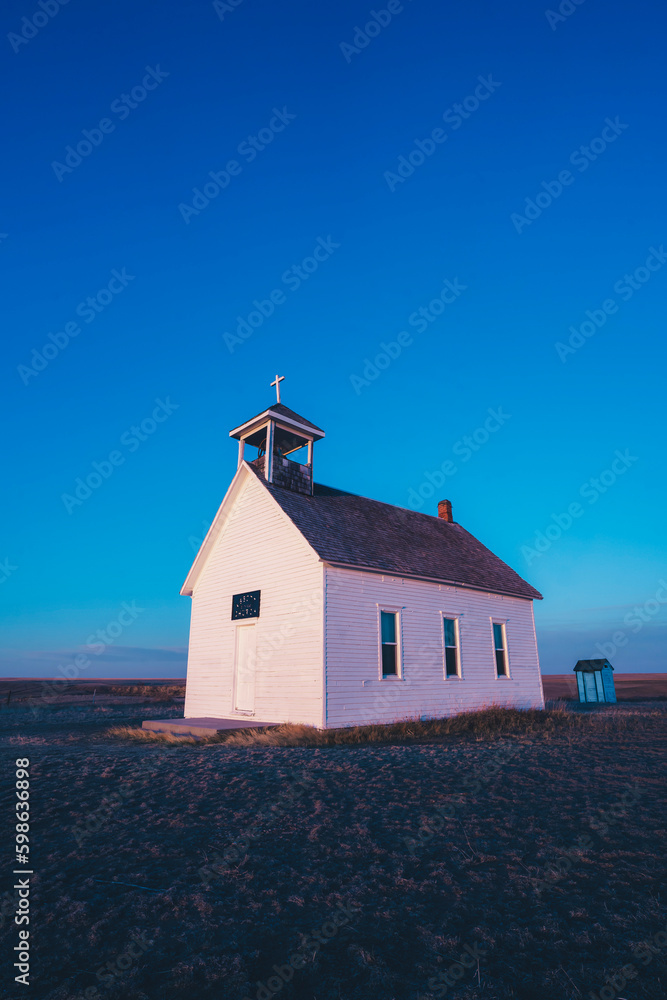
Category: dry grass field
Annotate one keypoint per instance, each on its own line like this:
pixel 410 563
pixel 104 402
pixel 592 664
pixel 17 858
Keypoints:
pixel 504 857
pixel 629 687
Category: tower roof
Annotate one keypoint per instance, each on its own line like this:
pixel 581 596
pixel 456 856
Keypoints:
pixel 283 414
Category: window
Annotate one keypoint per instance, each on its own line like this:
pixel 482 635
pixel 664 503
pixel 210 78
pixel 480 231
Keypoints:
pixel 500 647
pixel 290 446
pixel 388 635
pixel 246 605
pixel 451 647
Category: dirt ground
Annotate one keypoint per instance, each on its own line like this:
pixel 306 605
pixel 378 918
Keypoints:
pixel 525 867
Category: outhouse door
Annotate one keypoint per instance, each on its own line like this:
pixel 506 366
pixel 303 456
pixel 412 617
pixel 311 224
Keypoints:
pixel 589 687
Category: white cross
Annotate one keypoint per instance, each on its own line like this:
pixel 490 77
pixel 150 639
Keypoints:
pixel 277 385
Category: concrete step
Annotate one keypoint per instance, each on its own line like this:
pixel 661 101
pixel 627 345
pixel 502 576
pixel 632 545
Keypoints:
pixel 201 727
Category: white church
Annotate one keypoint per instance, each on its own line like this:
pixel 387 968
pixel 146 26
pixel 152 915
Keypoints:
pixel 313 605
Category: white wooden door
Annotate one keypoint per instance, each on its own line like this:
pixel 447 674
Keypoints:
pixel 245 668
pixel 589 684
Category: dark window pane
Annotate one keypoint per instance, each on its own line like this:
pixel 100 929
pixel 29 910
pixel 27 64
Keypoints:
pixel 388 660
pixel 246 605
pixel 450 632
pixel 500 662
pixel 498 636
pixel 450 661
pixel 388 621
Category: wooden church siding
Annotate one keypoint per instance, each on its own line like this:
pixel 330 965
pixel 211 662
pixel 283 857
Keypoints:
pixel 259 549
pixel 355 694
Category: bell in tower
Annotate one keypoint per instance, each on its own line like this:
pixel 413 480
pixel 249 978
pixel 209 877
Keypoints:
pixel 284 445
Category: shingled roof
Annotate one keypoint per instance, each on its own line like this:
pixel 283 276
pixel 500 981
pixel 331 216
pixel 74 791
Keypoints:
pixel 590 666
pixel 285 411
pixel 278 410
pixel 354 531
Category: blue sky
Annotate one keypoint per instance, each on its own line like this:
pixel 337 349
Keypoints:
pixel 540 199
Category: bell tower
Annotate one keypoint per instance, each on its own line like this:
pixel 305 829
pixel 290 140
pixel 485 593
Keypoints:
pixel 284 445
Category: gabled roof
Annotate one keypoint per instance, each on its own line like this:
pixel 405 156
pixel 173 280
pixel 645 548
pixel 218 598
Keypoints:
pixel 279 412
pixel 350 530
pixel 592 665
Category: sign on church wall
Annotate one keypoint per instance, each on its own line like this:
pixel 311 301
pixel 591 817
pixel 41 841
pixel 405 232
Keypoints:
pixel 246 605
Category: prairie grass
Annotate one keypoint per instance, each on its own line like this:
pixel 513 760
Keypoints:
pixel 486 723
pixel 138 735
pixel 160 692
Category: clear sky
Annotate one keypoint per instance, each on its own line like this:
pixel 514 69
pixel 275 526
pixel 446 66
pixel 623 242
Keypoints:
pixel 515 154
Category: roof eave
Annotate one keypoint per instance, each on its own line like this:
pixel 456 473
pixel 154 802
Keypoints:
pixel 535 596
pixel 187 589
pixel 243 472
pixel 270 414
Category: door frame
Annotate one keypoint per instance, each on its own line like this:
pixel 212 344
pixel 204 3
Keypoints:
pixel 247 624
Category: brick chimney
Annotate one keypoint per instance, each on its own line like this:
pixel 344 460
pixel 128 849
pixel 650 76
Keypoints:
pixel 445 510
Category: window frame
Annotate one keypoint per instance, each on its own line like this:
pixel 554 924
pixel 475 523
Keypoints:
pixel 247 618
pixel 506 650
pixel 456 618
pixel 397 612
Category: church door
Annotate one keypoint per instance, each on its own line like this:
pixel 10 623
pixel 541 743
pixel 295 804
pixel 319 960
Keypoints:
pixel 244 674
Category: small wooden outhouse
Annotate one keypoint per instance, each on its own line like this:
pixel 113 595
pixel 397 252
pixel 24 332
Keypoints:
pixel 595 681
